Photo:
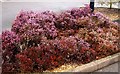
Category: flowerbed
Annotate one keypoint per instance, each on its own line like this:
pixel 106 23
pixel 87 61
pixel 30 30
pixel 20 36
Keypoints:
pixel 40 41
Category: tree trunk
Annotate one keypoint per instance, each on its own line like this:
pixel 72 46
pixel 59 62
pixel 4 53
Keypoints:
pixel 110 5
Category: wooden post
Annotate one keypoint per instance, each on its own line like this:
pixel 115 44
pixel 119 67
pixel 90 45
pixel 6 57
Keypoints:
pixel 92 5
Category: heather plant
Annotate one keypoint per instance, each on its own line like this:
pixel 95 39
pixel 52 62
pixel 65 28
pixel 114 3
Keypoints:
pixel 102 34
pixel 74 49
pixel 26 21
pixel 38 59
pixel 10 47
pixel 40 41
pixel 69 19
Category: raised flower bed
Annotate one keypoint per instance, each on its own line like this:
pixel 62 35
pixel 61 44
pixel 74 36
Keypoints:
pixel 40 41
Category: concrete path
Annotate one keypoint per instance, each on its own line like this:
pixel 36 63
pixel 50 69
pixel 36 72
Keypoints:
pixel 111 68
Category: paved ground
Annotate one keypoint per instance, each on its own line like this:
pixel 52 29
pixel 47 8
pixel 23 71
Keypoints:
pixel 111 68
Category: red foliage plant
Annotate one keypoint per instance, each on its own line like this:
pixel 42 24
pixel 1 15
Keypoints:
pixel 44 41
pixel 10 47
